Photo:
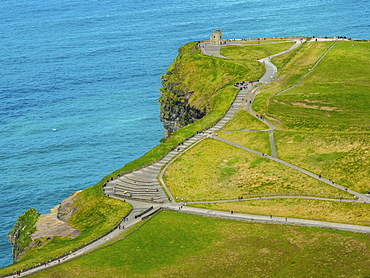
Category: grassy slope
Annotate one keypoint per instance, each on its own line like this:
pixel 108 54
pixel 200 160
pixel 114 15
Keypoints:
pixel 217 171
pixel 343 158
pixel 96 215
pixel 333 97
pixel 179 245
pixel 205 75
pixel 328 115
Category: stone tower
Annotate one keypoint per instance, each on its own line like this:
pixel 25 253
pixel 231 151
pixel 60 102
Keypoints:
pixel 216 37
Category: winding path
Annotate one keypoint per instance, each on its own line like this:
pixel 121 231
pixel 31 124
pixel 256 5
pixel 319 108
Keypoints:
pixel 142 190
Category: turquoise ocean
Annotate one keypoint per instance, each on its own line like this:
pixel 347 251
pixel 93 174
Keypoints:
pixel 80 80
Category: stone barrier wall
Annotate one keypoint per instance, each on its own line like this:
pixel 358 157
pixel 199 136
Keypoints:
pixel 142 213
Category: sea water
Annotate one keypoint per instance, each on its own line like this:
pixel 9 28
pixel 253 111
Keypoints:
pixel 80 80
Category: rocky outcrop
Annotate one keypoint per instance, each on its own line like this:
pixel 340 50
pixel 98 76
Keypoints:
pixel 66 208
pixel 19 236
pixel 49 226
pixel 31 227
pixel 175 110
pixel 182 100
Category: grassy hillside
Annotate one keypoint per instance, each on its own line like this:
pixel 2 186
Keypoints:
pixel 96 214
pixel 322 126
pixel 180 245
pixel 204 76
pixel 333 97
pixel 325 121
pixel 215 171
pixel 194 70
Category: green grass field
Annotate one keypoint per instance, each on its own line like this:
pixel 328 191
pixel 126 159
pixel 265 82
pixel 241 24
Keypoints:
pixel 249 53
pixel 342 157
pixel 333 97
pixel 242 121
pixel 256 140
pixel 324 122
pixel 179 245
pixel 248 133
pixel 213 170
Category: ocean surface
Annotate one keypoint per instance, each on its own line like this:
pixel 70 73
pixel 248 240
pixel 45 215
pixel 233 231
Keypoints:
pixel 80 80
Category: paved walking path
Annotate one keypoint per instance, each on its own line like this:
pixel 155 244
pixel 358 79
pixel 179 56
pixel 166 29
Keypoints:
pixel 267 219
pixel 142 190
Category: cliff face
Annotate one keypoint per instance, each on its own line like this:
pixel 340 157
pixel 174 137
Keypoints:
pixel 176 112
pixel 178 92
pixel 19 236
pixel 66 208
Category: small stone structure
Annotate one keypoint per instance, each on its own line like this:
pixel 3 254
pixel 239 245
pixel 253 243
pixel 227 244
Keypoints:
pixel 216 37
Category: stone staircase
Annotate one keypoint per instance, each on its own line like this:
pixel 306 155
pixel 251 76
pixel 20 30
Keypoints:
pixel 142 185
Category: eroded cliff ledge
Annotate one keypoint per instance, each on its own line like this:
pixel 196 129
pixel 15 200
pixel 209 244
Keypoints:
pixel 33 230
